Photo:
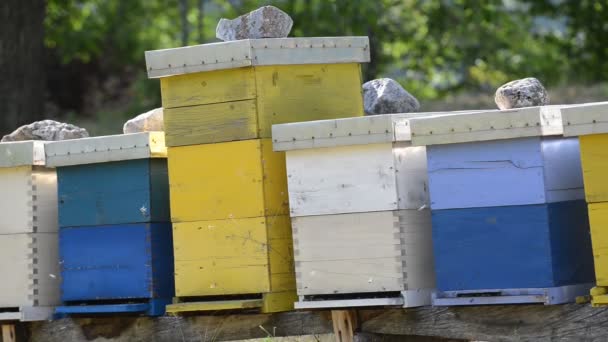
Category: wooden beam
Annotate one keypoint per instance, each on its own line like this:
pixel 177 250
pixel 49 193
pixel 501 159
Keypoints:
pixel 345 323
pixel 8 333
pixel 571 322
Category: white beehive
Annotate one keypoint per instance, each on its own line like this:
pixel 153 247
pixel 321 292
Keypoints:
pixel 29 265
pixel 358 201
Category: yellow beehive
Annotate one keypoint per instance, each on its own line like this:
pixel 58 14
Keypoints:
pixel 237 90
pixel 590 123
pixel 239 179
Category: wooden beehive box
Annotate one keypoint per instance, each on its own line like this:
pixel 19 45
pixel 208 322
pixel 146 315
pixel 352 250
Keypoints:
pixel 590 124
pixel 509 222
pixel 29 265
pixel 358 198
pixel 231 228
pixel 115 235
pixel 236 90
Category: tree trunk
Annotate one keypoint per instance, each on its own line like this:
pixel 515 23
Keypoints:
pixel 22 62
pixel 201 18
pixel 183 14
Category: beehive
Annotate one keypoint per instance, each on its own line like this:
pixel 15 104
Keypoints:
pixel 590 124
pixel 229 196
pixel 509 223
pixel 358 198
pixel 236 90
pixel 115 241
pixel 29 265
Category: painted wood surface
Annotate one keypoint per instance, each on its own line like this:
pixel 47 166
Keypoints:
pixel 113 193
pixel 512 247
pixel 226 181
pixel 504 172
pixel 594 158
pixel 30 268
pixel 105 149
pixel 585 119
pixel 251 52
pixel 233 256
pixel 487 125
pixel 358 178
pixel 246 102
pixel 22 153
pixel 363 252
pixel 116 262
pixel 32 204
pixel 598 219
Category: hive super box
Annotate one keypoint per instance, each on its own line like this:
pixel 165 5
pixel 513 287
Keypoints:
pixel 509 220
pixel 590 124
pixel 231 227
pixel 359 206
pixel 237 90
pixel 115 242
pixel 29 265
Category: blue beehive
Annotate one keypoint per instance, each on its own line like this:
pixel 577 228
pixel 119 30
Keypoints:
pixel 115 239
pixel 508 211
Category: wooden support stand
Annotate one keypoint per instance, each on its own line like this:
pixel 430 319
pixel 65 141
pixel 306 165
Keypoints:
pixel 8 333
pixel 345 323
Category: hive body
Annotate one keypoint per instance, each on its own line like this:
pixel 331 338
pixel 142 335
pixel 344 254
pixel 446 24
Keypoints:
pixel 362 235
pixel 509 221
pixel 29 289
pixel 115 237
pixel 590 124
pixel 229 201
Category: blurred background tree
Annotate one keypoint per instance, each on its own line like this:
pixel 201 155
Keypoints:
pixel 83 60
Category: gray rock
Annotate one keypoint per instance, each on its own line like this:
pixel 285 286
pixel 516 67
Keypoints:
pixel 386 96
pixel 527 92
pixel 46 130
pixel 147 122
pixel 264 22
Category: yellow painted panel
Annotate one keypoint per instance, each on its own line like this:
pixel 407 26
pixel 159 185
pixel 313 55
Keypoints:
pixel 215 305
pixel 275 180
pixel 216 181
pixel 594 158
pixel 279 301
pixel 598 219
pixel 282 269
pixel 293 93
pixel 205 124
pixel 227 180
pixel 221 257
pixel 208 87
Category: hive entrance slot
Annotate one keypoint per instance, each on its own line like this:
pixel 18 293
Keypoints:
pixel 343 296
pixel 481 294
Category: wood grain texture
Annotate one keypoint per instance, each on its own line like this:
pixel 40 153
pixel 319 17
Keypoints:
pixel 211 123
pixel 598 219
pixel 594 158
pixel 233 256
pixel 208 87
pixel 227 181
pixel 294 93
pixel 345 324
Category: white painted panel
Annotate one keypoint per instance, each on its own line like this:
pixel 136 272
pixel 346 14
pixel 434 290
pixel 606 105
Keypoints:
pixel 16 270
pixel 347 253
pixel 106 149
pixel 16 207
pixel 585 119
pixel 417 248
pixel 562 169
pixel 343 179
pixel 21 153
pixel 251 52
pixel 45 200
pixel 485 126
pixel 47 267
pixel 411 172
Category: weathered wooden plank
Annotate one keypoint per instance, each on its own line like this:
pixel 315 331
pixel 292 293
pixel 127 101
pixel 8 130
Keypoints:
pixel 345 323
pixel 22 153
pixel 585 119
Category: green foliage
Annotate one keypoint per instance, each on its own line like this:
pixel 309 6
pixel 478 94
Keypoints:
pixel 432 47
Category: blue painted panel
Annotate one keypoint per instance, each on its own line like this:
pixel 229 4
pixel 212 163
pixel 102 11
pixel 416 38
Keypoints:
pixel 486 174
pixel 116 261
pixel 113 193
pixel 512 247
